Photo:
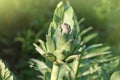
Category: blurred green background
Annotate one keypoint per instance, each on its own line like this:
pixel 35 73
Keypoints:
pixel 23 22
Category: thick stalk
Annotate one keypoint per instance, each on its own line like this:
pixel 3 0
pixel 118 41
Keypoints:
pixel 55 71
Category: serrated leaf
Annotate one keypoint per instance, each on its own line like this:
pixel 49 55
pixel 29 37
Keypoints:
pixel 39 65
pixel 90 55
pixel 94 46
pixel 42 43
pixel 39 49
pixel 99 49
pixel 72 57
pixel 85 31
pixel 89 37
pixel 5 74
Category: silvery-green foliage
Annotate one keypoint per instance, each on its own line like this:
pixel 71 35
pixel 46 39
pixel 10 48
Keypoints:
pixel 66 45
pixel 5 73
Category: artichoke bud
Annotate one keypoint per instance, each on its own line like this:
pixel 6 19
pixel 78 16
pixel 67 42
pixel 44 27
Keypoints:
pixel 65 28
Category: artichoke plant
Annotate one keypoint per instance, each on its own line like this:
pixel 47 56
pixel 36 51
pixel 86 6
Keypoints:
pixel 66 52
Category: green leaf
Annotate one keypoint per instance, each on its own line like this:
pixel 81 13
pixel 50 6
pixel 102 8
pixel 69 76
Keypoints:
pixel 5 74
pixel 99 49
pixel 91 55
pixel 39 49
pixel 42 43
pixel 85 31
pixel 39 65
pixel 72 57
pixel 89 37
pixel 93 46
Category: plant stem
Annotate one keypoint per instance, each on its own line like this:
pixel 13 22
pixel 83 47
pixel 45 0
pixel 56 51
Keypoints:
pixel 55 70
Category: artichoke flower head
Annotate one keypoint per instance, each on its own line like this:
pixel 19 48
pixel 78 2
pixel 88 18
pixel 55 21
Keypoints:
pixel 61 38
